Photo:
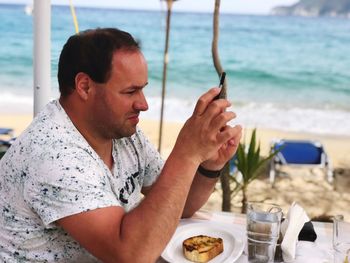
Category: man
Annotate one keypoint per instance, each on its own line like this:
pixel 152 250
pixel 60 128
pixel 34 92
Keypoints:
pixel 70 186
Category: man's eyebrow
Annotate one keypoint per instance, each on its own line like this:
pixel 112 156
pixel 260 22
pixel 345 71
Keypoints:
pixel 138 87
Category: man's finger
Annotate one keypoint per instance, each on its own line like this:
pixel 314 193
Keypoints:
pixel 230 133
pixel 204 101
pixel 221 120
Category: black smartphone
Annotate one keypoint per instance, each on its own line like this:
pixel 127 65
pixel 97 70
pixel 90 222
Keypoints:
pixel 221 84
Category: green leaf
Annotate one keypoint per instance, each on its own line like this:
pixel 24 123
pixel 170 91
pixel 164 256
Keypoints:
pixel 249 162
pixel 251 152
pixel 240 161
pixel 255 160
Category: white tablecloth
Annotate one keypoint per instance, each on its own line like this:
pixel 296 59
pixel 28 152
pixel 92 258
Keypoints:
pixel 307 252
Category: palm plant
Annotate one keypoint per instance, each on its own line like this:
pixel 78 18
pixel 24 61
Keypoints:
pixel 248 162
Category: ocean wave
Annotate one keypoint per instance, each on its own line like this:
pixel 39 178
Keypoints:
pixel 13 104
pixel 297 119
pixel 263 115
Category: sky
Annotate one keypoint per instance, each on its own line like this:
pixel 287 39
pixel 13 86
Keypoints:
pixel 227 6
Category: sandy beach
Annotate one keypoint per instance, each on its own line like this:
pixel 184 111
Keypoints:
pixel 307 187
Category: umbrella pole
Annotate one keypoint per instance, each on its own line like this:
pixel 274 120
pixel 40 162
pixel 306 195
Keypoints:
pixel 42 53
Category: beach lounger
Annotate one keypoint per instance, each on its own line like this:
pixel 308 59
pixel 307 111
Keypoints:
pixel 299 153
pixel 233 171
pixel 233 167
pixel 6 131
pixel 6 139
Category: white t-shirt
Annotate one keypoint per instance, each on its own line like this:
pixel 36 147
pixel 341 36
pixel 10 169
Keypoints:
pixel 51 172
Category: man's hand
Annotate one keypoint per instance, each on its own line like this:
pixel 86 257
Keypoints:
pixel 225 153
pixel 206 138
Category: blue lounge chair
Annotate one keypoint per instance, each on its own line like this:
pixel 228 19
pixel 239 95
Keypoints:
pixel 6 139
pixel 300 153
pixel 6 131
pixel 233 167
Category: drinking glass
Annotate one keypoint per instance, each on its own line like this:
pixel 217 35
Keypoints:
pixel 341 240
pixel 263 228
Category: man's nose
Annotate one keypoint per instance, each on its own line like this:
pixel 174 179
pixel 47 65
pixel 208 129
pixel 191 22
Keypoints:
pixel 141 104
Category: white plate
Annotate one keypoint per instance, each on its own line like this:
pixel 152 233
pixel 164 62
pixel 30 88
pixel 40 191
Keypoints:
pixel 233 241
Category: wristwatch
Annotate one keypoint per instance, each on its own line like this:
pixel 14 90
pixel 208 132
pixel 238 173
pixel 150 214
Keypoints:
pixel 209 173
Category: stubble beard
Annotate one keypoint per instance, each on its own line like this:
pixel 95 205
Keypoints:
pixel 124 131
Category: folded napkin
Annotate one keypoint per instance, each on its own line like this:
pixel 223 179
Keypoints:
pixel 290 229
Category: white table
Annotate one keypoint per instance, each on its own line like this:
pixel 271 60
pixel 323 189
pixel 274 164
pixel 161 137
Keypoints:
pixel 307 252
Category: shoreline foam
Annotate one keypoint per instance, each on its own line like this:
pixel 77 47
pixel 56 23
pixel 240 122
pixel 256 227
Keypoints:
pixel 261 115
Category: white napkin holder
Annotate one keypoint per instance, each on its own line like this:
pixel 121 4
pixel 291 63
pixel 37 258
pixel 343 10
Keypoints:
pixel 290 229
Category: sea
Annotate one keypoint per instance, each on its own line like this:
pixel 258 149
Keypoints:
pixel 286 73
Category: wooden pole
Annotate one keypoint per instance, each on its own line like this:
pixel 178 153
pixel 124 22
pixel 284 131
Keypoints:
pixel 225 175
pixel 165 64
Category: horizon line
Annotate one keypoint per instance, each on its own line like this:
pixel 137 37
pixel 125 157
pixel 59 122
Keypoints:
pixel 144 9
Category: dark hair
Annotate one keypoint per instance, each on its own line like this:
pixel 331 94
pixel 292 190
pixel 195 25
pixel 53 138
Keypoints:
pixel 91 52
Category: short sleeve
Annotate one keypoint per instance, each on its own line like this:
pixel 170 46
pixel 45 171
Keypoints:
pixel 66 183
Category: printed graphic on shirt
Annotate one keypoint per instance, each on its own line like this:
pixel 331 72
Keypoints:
pixel 129 188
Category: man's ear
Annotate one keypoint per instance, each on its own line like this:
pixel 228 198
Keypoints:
pixel 82 81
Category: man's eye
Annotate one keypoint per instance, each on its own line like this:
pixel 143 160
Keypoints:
pixel 130 92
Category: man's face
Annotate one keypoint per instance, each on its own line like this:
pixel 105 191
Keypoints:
pixel 116 104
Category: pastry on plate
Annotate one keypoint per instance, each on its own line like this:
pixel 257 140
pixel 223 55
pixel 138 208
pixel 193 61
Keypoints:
pixel 202 248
